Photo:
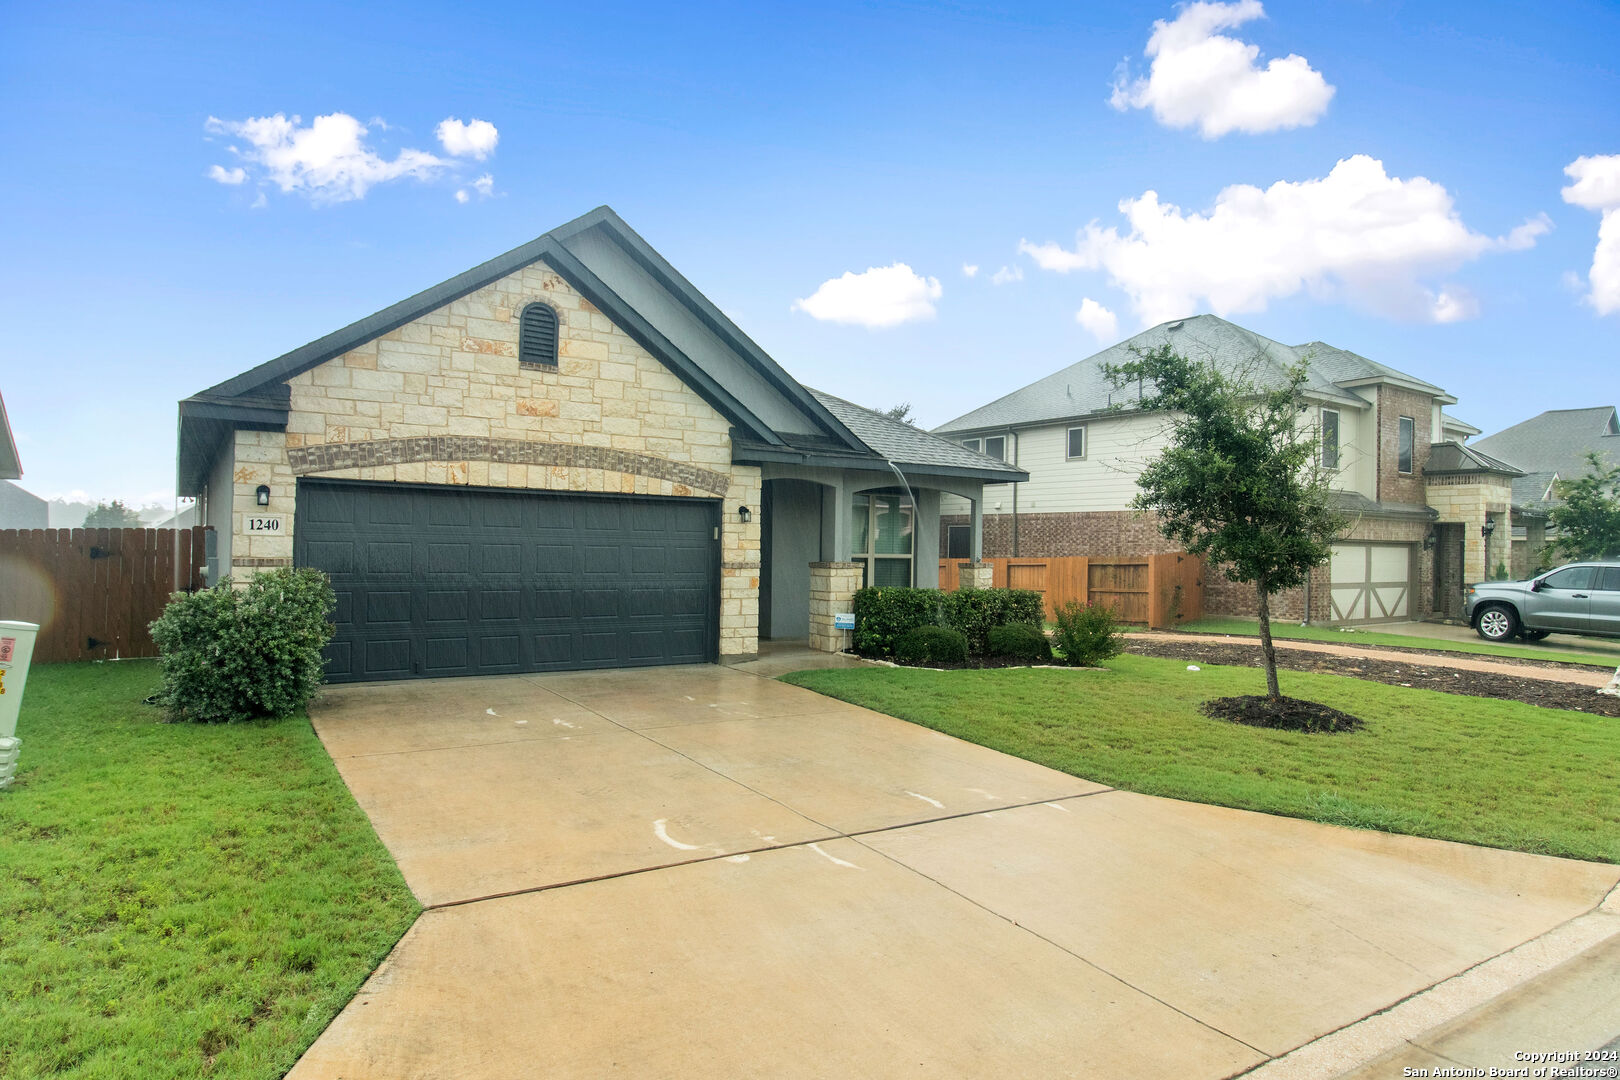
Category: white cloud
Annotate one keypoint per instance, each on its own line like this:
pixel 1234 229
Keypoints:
pixel 1356 235
pixel 226 176
pixel 1597 187
pixel 1007 274
pixel 1203 78
pixel 879 297
pixel 484 186
pixel 475 139
pixel 462 196
pixel 326 162
pixel 970 270
pixel 1102 323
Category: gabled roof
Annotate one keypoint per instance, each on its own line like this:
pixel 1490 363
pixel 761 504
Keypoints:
pixel 909 446
pixel 1452 423
pixel 1081 389
pixel 1453 457
pixel 1558 440
pixel 618 272
pixel 10 466
pixel 1345 368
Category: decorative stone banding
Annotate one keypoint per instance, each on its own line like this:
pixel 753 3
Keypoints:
pixel 327 457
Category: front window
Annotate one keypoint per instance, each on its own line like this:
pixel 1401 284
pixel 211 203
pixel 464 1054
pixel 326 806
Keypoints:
pixel 1330 438
pixel 1403 451
pixel 880 538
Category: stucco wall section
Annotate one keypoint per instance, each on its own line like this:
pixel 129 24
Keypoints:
pixel 454 372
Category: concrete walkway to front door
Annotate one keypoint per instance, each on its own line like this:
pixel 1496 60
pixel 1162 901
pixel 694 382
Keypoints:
pixel 700 872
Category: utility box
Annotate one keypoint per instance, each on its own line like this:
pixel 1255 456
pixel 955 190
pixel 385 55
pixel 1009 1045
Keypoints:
pixel 16 652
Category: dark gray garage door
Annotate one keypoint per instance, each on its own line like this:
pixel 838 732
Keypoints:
pixel 435 581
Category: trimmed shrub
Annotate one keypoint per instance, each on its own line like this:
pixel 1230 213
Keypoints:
pixel 245 654
pixel 1087 634
pixel 882 615
pixel 1019 641
pixel 931 645
pixel 976 611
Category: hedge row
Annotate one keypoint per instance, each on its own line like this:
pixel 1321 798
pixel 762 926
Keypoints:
pixel 883 615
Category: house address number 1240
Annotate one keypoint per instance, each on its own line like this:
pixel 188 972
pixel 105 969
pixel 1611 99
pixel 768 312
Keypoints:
pixel 269 523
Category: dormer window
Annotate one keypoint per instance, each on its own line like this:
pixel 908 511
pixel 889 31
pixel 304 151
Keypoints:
pixel 537 337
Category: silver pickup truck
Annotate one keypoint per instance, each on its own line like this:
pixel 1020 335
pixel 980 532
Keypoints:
pixel 1581 598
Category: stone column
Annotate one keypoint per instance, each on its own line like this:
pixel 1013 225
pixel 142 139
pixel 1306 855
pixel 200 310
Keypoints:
pixel 832 592
pixel 976 575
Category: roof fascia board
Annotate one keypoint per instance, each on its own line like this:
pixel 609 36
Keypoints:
pixel 1017 426
pixel 671 279
pixel 744 454
pixel 648 337
pixel 194 409
pixel 1414 385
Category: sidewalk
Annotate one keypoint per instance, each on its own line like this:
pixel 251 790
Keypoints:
pixel 1552 672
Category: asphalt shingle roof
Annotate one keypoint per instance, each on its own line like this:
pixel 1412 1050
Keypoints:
pixel 903 444
pixel 1082 390
pixel 1556 442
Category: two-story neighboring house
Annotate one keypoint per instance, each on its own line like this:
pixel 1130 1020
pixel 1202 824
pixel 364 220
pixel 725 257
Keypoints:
pixel 1422 507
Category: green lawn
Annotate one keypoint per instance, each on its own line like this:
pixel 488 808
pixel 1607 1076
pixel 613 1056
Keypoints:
pixel 1476 770
pixel 177 900
pixel 1559 650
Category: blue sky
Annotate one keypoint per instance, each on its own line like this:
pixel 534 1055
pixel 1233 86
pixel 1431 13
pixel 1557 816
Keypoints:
pixel 766 151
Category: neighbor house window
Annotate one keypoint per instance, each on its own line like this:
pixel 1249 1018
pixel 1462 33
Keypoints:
pixel 1403 450
pixel 971 444
pixel 880 529
pixel 959 542
pixel 537 337
pixel 1330 438
pixel 996 446
pixel 1077 443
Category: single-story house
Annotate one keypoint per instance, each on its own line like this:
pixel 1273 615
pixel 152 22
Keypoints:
pixel 20 509
pixel 1422 506
pixel 565 457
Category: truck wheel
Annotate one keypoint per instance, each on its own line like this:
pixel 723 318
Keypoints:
pixel 1534 635
pixel 1497 622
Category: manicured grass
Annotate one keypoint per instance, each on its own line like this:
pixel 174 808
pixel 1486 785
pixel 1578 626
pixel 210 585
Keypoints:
pixel 1476 770
pixel 177 900
pixel 1559 651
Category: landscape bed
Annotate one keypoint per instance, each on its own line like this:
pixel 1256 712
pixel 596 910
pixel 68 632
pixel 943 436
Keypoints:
pixel 1547 693
pixel 178 900
pixel 1477 770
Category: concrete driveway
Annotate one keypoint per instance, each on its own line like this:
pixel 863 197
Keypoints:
pixel 700 872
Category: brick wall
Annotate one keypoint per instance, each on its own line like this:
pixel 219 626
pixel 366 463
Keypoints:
pixel 1394 486
pixel 442 400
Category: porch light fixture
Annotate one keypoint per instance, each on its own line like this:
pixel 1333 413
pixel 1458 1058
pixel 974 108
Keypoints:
pixel 1489 527
pixel 744 514
pixel 262 496
pixel 1429 540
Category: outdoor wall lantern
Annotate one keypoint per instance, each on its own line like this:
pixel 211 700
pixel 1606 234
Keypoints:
pixel 744 514
pixel 1429 540
pixel 1486 529
pixel 262 496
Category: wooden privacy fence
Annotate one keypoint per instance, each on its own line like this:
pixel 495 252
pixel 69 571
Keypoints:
pixel 93 591
pixel 1153 590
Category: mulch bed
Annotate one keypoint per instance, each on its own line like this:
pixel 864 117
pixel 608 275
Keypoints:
pixel 1288 714
pixel 1547 694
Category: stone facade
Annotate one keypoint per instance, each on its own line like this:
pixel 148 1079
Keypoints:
pixel 975 576
pixel 443 400
pixel 832 592
pixel 1470 498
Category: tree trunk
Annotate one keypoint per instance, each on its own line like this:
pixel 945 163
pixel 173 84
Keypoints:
pixel 1267 649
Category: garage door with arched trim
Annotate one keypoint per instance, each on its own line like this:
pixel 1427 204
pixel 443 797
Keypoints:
pixel 1371 582
pixel 437 581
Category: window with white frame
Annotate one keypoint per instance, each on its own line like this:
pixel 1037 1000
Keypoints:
pixel 1077 443
pixel 996 446
pixel 880 538
pixel 1330 438
pixel 971 444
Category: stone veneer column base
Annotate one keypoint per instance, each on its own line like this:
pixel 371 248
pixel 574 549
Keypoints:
pixel 832 592
pixel 976 576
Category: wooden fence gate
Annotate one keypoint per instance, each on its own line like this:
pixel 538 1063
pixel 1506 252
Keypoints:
pixel 1149 590
pixel 93 591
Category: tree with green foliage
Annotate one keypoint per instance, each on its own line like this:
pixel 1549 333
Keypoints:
pixel 112 515
pixel 1241 481
pixel 900 412
pixel 1587 516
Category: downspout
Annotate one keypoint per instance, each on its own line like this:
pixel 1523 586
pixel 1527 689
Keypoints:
pixel 1015 440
